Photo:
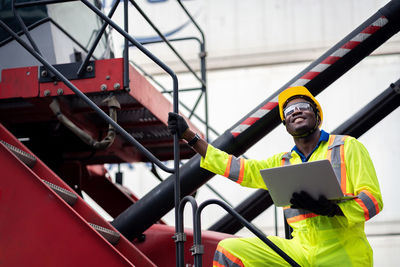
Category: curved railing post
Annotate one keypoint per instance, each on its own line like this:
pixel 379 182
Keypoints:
pixel 242 221
pixel 180 236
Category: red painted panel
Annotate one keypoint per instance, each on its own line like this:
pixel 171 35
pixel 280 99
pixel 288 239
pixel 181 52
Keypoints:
pixel 19 82
pixel 109 72
pixel 160 247
pixel 38 228
pixel 84 211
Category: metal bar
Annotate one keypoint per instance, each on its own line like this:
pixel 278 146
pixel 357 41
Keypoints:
pixel 84 64
pixel 43 2
pixel 70 36
pixel 100 112
pixel 166 41
pixel 183 90
pixel 172 40
pixel 253 206
pixel 243 221
pixel 193 21
pixel 126 49
pixel 195 105
pixel 24 28
pixel 219 195
pixel 202 65
pixel 123 225
pixel 180 260
pixel 169 92
pixel 193 176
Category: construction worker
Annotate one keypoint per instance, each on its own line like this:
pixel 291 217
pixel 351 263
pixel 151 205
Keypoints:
pixel 324 233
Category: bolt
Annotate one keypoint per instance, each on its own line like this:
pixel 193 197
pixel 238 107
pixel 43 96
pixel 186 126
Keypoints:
pixel 44 73
pixel 55 82
pixel 117 86
pixel 28 73
pixel 60 91
pixel 108 77
pixel 103 87
pixel 46 92
pixel 89 68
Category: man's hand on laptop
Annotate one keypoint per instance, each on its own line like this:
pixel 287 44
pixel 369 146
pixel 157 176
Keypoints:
pixel 322 206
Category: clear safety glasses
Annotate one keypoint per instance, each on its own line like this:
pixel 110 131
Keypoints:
pixel 301 106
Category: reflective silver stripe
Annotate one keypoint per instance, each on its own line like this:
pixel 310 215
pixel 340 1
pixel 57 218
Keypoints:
pixel 286 157
pixel 335 156
pixel 369 203
pixel 290 213
pixel 234 170
pixel 224 260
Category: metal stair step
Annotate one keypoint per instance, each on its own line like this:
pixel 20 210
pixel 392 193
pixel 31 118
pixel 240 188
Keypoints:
pixel 68 196
pixel 25 157
pixel 110 235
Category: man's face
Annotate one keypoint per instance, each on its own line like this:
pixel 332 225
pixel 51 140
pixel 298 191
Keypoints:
pixel 300 120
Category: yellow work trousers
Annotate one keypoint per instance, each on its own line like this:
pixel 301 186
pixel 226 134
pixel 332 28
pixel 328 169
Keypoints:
pixel 252 251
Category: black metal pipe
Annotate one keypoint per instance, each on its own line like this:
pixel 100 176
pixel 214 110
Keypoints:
pixel 203 55
pixel 38 3
pixel 195 105
pixel 250 208
pixel 149 209
pixel 84 64
pixel 166 41
pixel 169 92
pixel 357 125
pixel 180 236
pixel 245 223
pixel 126 47
pixel 24 28
pixel 171 40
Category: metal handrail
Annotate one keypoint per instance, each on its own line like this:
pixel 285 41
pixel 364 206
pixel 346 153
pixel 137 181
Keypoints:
pixel 203 62
pixel 85 62
pixel 166 41
pixel 198 249
pixel 180 236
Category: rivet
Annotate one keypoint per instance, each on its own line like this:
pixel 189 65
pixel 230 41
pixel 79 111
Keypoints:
pixel 89 68
pixel 117 86
pixel 46 92
pixel 108 77
pixel 44 73
pixel 60 91
pixel 103 87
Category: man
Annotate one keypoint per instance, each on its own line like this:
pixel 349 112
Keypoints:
pixel 324 233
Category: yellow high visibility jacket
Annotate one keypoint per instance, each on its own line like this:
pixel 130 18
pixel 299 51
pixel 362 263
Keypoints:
pixel 342 236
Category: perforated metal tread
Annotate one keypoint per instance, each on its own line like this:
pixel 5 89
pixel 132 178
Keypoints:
pixel 25 157
pixel 68 196
pixel 110 235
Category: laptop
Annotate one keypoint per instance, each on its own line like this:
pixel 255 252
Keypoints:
pixel 315 177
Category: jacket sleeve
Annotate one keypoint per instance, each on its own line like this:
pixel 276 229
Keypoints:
pixel 361 182
pixel 242 171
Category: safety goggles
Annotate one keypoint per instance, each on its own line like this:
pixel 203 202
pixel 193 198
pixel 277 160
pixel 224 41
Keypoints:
pixel 301 106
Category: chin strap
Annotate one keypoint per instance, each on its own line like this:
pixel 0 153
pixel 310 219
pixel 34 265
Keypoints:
pixel 309 132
